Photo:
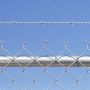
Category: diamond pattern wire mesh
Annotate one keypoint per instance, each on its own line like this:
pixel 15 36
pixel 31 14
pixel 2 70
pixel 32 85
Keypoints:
pixel 25 77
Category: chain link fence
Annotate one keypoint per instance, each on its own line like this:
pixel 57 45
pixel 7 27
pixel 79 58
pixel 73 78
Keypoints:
pixel 44 71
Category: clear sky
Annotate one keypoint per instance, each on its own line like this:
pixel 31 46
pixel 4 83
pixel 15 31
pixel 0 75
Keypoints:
pixel 34 34
pixel 44 10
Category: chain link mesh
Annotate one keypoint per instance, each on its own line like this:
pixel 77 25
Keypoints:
pixel 44 77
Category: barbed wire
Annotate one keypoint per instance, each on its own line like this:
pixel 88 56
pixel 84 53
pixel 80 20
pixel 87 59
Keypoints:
pixel 45 22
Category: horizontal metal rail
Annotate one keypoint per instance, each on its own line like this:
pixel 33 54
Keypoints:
pixel 56 61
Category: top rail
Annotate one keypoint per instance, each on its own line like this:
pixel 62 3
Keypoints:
pixel 58 61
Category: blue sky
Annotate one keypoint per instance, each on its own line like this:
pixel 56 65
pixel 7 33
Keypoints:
pixel 44 10
pixel 34 34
